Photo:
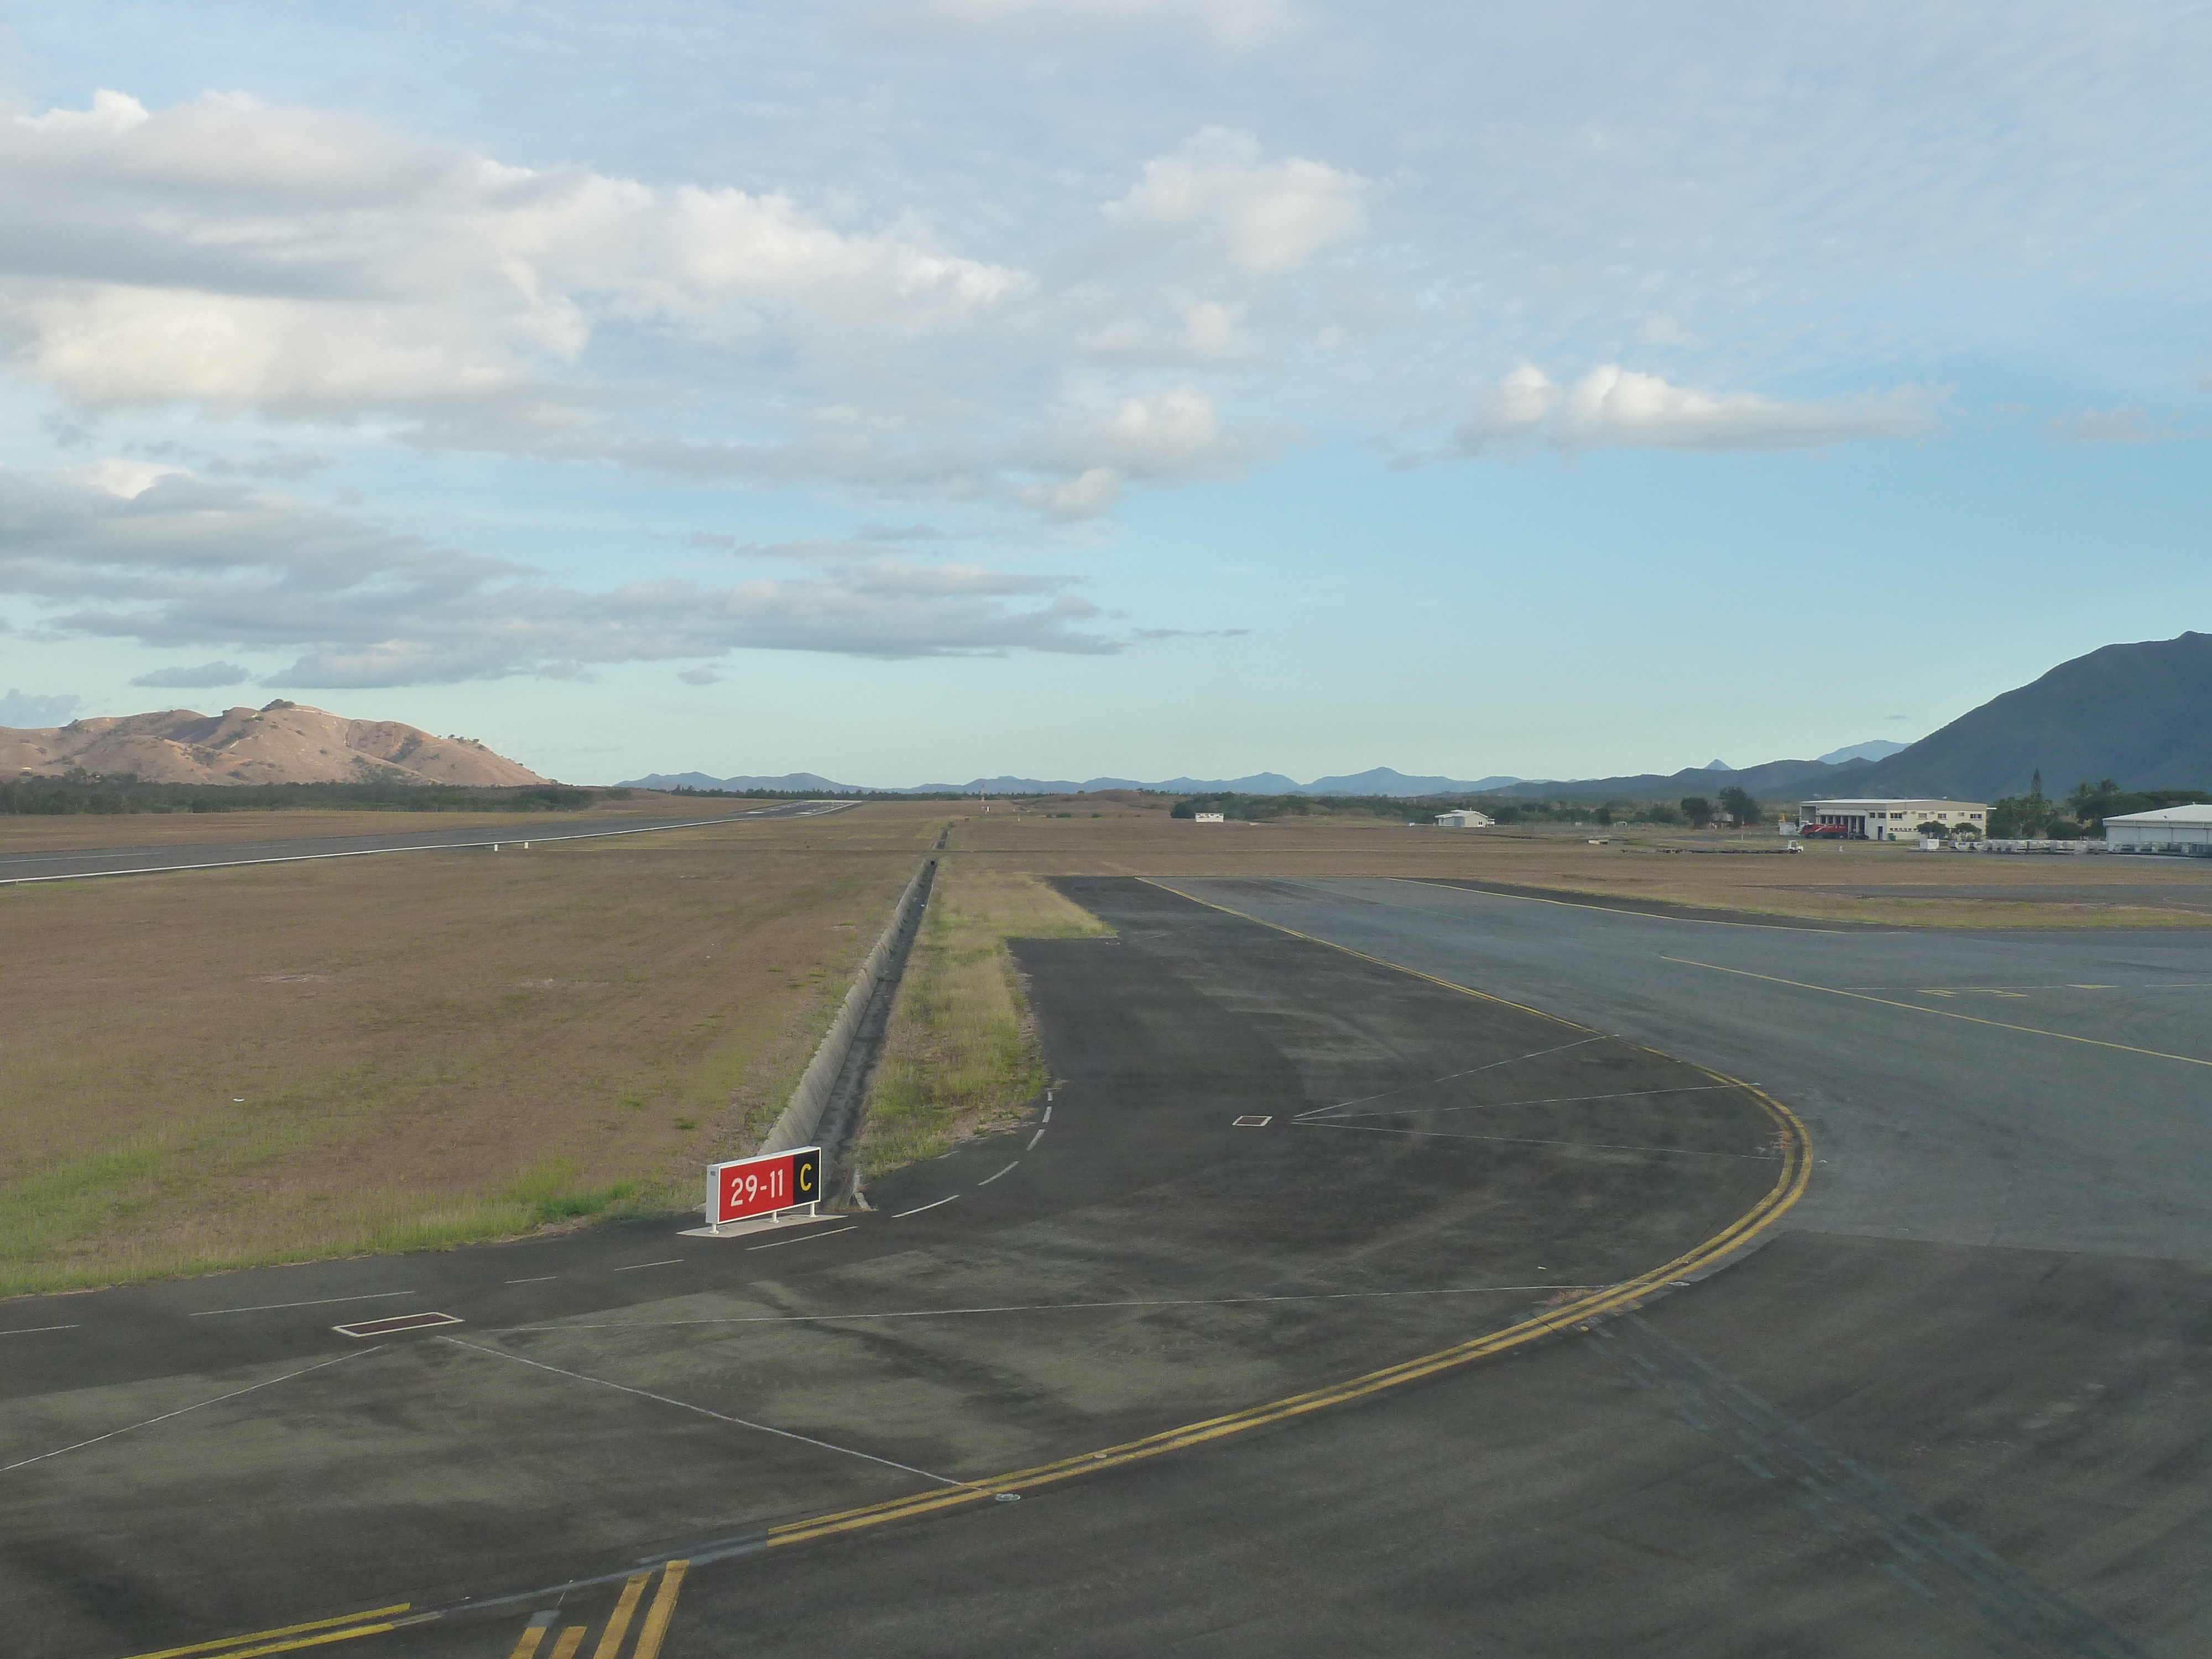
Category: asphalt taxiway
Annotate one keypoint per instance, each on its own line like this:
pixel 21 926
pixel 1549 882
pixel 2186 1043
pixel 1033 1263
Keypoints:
pixel 1141 1378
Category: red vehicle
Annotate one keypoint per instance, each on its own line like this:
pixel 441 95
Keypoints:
pixel 1831 832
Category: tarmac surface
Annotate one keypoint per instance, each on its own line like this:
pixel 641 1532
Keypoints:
pixel 15 868
pixel 1954 1403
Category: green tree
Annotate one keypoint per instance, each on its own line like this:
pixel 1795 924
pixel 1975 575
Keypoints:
pixel 1698 809
pixel 1739 803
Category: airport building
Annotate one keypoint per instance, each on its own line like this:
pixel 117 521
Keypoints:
pixel 1464 820
pixel 1892 820
pixel 2169 829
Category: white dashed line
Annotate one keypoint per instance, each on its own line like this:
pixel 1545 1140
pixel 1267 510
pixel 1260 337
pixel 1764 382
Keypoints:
pixel 634 1266
pixel 325 1302
pixel 918 1208
pixel 806 1239
pixel 1009 1170
pixel 1033 1139
pixel 33 1330
pixel 541 1279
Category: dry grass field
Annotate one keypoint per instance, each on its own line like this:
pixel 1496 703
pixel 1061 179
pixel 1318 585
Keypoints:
pixel 221 1067
pixel 1863 881
pixel 961 1056
pixel 38 832
pixel 228 1067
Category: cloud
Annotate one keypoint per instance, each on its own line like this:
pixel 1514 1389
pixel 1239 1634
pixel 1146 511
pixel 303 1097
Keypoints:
pixel 1190 633
pixel 1615 408
pixel 207 674
pixel 22 708
pixel 295 266
pixel 1221 194
pixel 2130 425
pixel 1229 25
pixel 701 676
pixel 173 560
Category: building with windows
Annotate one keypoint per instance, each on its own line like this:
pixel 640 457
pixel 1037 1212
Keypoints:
pixel 1895 820
pixel 2169 829
pixel 1468 819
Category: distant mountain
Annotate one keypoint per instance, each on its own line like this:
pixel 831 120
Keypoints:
pixel 1774 781
pixel 1879 749
pixel 2139 714
pixel 793 781
pixel 282 743
pixel 1718 766
pixel 1382 781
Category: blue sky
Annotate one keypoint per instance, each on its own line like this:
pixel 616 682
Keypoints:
pixel 910 390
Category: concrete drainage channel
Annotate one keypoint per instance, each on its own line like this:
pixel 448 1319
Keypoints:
pixel 825 1107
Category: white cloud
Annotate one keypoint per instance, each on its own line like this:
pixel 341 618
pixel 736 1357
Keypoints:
pixel 1229 25
pixel 207 674
pixel 2130 425
pixel 1612 407
pixel 1221 194
pixel 186 560
pixel 289 265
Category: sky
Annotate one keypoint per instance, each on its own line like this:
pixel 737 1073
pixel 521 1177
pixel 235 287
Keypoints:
pixel 910 391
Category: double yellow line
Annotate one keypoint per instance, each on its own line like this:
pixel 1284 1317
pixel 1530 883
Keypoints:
pixel 289 1638
pixel 321 1632
pixel 1792 1142
pixel 650 1634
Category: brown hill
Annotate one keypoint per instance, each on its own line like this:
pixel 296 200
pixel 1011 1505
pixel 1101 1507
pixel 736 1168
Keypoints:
pixel 284 742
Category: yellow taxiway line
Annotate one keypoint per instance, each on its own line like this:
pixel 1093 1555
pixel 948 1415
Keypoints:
pixel 1792 1141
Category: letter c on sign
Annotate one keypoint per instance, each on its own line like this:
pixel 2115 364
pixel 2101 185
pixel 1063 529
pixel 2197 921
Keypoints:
pixel 807 1177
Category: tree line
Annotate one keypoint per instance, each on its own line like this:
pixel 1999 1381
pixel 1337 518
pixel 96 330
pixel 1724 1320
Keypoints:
pixel 2081 815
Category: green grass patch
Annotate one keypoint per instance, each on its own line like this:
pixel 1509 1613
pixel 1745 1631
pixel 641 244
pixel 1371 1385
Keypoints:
pixel 961 1056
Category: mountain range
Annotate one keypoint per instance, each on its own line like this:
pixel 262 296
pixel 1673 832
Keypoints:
pixel 282 743
pixel 1381 780
pixel 2139 714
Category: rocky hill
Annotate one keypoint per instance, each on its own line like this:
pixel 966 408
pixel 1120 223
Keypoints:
pixel 284 742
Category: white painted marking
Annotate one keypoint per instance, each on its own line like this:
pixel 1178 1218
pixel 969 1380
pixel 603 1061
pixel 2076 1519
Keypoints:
pixel 540 1279
pixel 634 1266
pixel 33 1330
pixel 918 1208
pixel 686 1405
pixel 325 1302
pixel 1033 1139
pixel 1009 1170
pixel 1547 1100
pixel 1048 1111
pixel 24 1463
pixel 1059 1306
pixel 1514 1060
pixel 1532 1141
pixel 1251 1122
pixel 806 1239
pixel 396 1323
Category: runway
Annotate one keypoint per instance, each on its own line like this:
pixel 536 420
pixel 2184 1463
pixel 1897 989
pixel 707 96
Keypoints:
pixel 1953 1403
pixel 16 868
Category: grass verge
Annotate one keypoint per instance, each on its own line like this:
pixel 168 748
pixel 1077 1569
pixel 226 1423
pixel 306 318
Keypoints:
pixel 961 1056
pixel 230 1068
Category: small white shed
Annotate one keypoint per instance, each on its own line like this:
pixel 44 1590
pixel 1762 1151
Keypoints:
pixel 1466 819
